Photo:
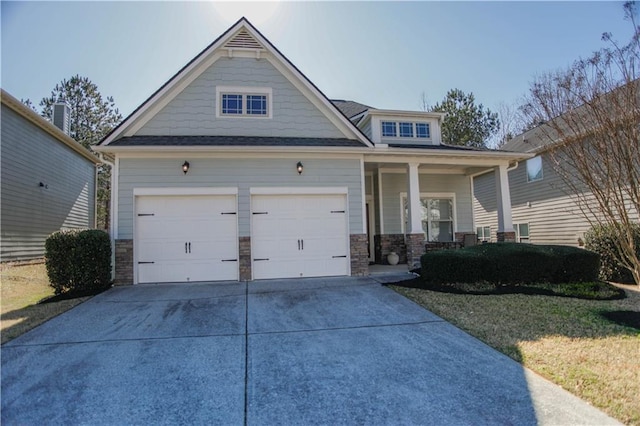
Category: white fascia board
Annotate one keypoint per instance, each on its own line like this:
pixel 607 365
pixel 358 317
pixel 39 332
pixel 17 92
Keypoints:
pixel 177 83
pixel 277 190
pixel 186 191
pixel 240 151
pixel 403 113
pixel 314 96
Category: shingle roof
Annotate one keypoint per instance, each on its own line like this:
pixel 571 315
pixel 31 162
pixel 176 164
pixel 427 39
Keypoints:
pixel 438 147
pixel 350 108
pixel 233 141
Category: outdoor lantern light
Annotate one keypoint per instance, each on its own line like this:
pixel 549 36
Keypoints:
pixel 185 167
pixel 299 167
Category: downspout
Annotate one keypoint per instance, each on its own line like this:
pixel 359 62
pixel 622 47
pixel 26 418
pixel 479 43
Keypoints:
pixel 111 205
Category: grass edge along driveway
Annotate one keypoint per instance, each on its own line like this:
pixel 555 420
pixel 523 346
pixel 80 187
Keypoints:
pixel 21 288
pixel 565 340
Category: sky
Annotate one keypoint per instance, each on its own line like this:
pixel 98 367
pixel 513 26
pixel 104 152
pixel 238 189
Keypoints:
pixel 383 54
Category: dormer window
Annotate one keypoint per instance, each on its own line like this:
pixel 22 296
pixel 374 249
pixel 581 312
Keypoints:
pixel 406 130
pixel 254 102
pixel 389 129
pixel 403 129
pixel 423 130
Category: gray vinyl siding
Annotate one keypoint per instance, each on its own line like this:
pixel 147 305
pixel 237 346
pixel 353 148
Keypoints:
pixel 29 213
pixel 242 174
pixel 193 111
pixel 484 202
pixel 553 217
pixel 393 184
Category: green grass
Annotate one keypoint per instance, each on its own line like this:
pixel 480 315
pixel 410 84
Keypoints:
pixel 567 340
pixel 22 288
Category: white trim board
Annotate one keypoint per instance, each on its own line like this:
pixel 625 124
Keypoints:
pixel 277 190
pixel 185 191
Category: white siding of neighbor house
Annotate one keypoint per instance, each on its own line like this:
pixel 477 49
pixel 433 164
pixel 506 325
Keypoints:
pixel 393 184
pixel 193 111
pixel 552 215
pixel 29 212
pixel 241 173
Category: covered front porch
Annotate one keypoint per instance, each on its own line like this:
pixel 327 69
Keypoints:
pixel 423 198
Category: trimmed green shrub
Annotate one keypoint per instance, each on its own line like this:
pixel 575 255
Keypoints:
pixel 78 261
pixel 601 239
pixel 510 264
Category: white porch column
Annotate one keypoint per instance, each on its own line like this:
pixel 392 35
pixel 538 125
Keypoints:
pixel 414 238
pixel 414 222
pixel 503 198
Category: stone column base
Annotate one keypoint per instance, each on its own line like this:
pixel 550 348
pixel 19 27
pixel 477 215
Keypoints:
pixel 386 243
pixel 244 248
pixel 415 249
pixel 124 262
pixel 359 254
pixel 506 237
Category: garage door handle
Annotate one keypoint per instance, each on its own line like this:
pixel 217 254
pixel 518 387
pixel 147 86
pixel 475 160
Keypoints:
pixel 229 260
pixel 337 211
pixel 257 260
pixel 228 213
pixel 260 212
pixel 336 257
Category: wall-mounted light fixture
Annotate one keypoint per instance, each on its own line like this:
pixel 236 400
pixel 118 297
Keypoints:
pixel 185 167
pixel 299 167
pixel 43 185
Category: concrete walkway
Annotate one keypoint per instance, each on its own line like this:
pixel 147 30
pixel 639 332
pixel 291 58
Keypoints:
pixel 313 351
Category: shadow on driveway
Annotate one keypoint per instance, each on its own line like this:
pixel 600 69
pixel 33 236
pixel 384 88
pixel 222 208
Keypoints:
pixel 312 351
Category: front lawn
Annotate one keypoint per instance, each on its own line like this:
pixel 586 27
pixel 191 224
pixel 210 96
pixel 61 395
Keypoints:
pixel 21 288
pixel 569 341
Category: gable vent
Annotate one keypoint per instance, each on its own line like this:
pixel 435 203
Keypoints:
pixel 243 40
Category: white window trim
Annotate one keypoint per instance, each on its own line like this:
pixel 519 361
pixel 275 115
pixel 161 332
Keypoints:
pixel 338 190
pixel 244 90
pixel 405 138
pixel 431 195
pixel 527 169
pixel 516 228
pixel 484 238
pixel 186 191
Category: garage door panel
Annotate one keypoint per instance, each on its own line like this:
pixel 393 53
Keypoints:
pixel 188 238
pixel 300 235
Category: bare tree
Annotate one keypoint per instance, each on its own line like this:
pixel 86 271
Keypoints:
pixel 511 124
pixel 592 124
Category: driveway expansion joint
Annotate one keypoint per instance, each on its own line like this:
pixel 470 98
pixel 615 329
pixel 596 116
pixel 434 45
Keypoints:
pixel 357 327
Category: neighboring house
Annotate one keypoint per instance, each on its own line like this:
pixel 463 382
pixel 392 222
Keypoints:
pixel 544 209
pixel 240 168
pixel 48 181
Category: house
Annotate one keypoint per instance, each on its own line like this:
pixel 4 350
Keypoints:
pixel 48 181
pixel 240 168
pixel 544 209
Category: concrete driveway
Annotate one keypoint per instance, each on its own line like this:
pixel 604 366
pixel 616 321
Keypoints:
pixel 313 351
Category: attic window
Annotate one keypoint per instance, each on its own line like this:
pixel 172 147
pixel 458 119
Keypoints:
pixel 252 102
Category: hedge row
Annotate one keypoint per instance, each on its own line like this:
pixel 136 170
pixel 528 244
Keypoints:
pixel 78 261
pixel 510 264
pixel 601 239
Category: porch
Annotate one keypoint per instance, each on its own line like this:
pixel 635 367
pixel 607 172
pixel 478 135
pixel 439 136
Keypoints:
pixel 426 202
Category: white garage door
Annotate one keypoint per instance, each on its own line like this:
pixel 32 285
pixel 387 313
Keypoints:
pixel 186 238
pixel 299 236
